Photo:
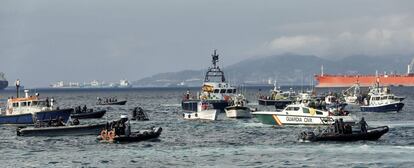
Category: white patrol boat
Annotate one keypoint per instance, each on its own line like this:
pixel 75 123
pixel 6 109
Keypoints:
pixel 205 111
pixel 380 99
pixel 215 90
pixel 299 114
pixel 237 108
pixel 31 109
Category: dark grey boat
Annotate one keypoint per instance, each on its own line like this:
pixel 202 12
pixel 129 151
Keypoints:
pixel 112 103
pixel 72 130
pixel 142 135
pixel 86 115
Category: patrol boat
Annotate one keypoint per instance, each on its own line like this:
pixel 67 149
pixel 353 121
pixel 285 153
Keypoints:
pixel 299 114
pixel 216 91
pixel 380 99
pixel 30 109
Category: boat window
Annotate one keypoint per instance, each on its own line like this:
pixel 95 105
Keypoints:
pixel 223 91
pixel 34 103
pixel 305 110
pixel 390 97
pixel 15 104
pixel 319 112
pixel 230 91
pixel 216 91
pixel 383 97
pixel 23 104
pixel 234 90
pixel 29 103
pixel 292 108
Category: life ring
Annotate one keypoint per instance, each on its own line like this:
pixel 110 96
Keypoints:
pixel 104 134
pixel 111 135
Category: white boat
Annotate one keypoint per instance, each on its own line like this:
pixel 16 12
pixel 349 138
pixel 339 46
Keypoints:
pixel 215 90
pixel 238 108
pixel 299 114
pixel 351 96
pixel 205 111
pixel 31 109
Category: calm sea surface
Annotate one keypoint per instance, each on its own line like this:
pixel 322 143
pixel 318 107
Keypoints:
pixel 222 143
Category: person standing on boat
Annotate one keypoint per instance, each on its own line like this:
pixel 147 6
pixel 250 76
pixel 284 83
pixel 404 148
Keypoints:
pixel 363 125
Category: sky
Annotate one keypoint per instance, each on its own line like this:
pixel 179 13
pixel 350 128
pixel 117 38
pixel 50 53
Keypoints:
pixel 45 41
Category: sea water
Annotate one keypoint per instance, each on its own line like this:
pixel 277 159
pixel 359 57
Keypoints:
pixel 222 143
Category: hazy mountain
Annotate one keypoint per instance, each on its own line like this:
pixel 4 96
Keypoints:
pixel 287 69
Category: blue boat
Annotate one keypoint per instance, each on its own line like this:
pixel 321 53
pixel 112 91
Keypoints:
pixel 31 109
pixel 383 108
pixel 381 100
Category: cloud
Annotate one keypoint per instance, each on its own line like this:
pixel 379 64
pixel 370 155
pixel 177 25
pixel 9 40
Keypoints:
pixel 388 35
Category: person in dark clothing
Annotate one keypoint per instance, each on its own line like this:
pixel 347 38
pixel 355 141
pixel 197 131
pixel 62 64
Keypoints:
pixel 84 108
pixel 134 112
pixel 336 125
pixel 76 121
pixel 341 126
pixel 363 125
pixel 60 122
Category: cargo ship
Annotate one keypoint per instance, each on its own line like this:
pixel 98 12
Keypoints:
pixel 328 80
pixel 3 82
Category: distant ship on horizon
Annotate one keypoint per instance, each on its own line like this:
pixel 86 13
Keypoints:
pixel 328 80
pixel 3 81
pixel 92 84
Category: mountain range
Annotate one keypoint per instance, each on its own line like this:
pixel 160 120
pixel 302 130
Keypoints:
pixel 286 69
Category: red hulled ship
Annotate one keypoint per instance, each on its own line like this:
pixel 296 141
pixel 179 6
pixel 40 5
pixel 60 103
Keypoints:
pixel 327 80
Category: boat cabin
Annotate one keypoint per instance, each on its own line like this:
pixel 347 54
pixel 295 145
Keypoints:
pixel 382 99
pixel 297 109
pixel 28 104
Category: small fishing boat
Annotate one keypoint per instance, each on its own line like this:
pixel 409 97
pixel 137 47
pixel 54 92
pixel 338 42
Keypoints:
pixel 380 99
pixel 205 111
pixel 30 109
pixel 372 134
pixel 278 98
pixel 238 108
pixel 112 103
pixel 353 94
pixel 89 114
pixel 72 130
pixel 299 114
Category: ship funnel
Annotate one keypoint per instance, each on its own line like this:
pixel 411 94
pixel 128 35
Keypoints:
pixel 26 93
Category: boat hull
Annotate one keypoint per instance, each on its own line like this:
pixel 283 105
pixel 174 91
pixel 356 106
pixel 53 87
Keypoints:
pixel 86 115
pixel 113 103
pixel 383 108
pixel 191 105
pixel 370 135
pixel 238 112
pixel 279 119
pixel 21 119
pixel 363 80
pixel 75 130
pixel 28 119
pixel 201 115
